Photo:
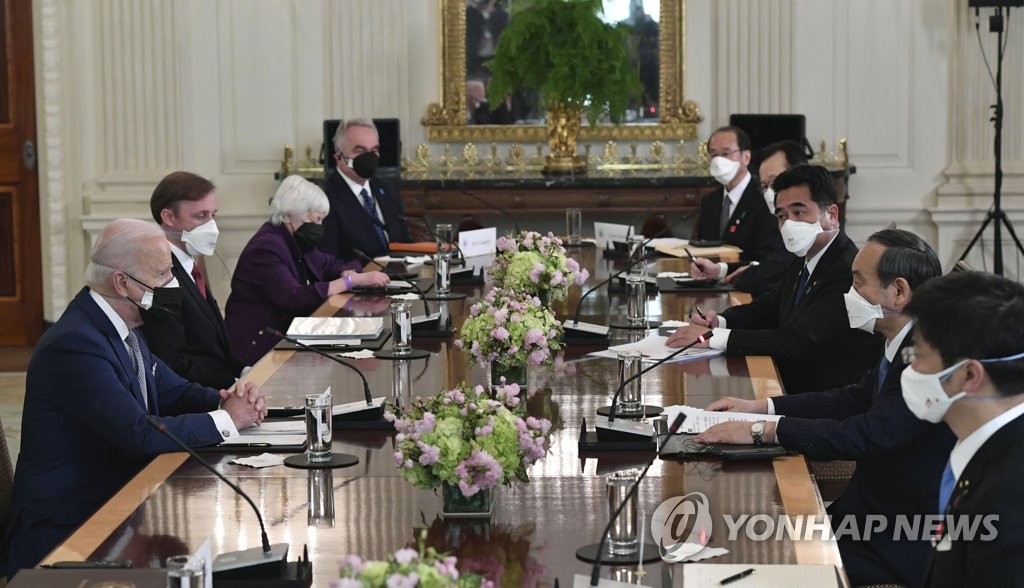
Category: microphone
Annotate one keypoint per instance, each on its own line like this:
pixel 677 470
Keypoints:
pixel 369 413
pixel 644 212
pixel 515 223
pixel 435 236
pixel 622 386
pixel 414 282
pixel 269 554
pixel 595 573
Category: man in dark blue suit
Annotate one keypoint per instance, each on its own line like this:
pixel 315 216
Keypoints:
pixel 968 371
pixel 899 458
pixel 193 342
pixel 92 384
pixel 366 214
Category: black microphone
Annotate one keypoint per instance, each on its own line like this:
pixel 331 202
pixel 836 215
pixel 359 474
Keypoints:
pixel 414 282
pixel 435 236
pixel 269 554
pixel 622 386
pixel 515 223
pixel 595 573
pixel 366 384
pixel 644 212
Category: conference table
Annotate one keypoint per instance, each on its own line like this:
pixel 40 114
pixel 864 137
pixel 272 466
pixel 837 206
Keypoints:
pixel 174 504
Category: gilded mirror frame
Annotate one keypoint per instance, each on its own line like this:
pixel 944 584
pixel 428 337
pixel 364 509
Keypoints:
pixel 446 122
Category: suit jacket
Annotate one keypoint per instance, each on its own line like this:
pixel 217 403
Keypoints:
pixel 811 341
pixel 273 283
pixel 84 429
pixel 990 485
pixel 195 343
pixel 760 279
pixel 899 458
pixel 348 225
pixel 751 227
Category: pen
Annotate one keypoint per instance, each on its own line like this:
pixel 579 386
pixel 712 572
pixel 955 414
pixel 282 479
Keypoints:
pixel 735 577
pixel 693 260
pixel 699 312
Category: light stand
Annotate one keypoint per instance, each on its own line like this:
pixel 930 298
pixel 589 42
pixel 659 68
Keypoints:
pixel 997 24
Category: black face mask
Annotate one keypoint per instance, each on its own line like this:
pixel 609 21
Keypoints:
pixel 166 300
pixel 308 236
pixel 365 164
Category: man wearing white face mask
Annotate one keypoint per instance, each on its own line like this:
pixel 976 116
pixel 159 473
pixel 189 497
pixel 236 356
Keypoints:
pixel 898 456
pixel 735 214
pixel 194 341
pixel 802 321
pixel 967 369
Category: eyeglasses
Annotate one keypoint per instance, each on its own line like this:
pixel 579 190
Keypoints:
pixel 725 153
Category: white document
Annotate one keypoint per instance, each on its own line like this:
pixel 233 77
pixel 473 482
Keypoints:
pixel 668 242
pixel 264 440
pixel 293 427
pixel 359 354
pixel 697 575
pixel 335 327
pixel 263 460
pixel 330 342
pixel 605 233
pixel 673 275
pixel 653 348
pixel 699 420
pixel 356 406
pixel 478 242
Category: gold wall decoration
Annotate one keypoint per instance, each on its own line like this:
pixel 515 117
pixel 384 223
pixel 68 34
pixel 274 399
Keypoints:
pixel 446 121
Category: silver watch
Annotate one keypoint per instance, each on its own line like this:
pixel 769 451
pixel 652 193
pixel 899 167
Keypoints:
pixel 757 432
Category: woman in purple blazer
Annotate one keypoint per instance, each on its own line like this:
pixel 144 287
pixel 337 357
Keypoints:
pixel 281 274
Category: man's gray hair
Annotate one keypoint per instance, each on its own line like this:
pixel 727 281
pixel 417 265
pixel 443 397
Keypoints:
pixel 348 124
pixel 295 197
pixel 117 249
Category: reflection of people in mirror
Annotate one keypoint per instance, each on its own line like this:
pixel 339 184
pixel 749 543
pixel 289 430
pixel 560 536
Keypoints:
pixel 479 111
pixel 485 21
pixel 644 45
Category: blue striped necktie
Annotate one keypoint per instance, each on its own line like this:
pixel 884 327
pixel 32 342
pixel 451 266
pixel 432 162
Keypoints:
pixel 371 209
pixel 140 368
pixel 946 488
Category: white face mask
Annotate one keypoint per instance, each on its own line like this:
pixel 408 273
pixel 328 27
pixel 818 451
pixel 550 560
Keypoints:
pixel 201 240
pixel 924 395
pixel 147 296
pixel 862 314
pixel 723 169
pixel 769 199
pixel 798 237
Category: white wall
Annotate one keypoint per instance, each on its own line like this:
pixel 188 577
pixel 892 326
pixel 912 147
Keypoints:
pixel 129 90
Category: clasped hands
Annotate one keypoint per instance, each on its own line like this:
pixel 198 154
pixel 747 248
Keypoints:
pixel 245 404
pixel 736 432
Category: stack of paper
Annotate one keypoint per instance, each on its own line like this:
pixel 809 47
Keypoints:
pixel 653 348
pixel 699 420
pixel 766 576
pixel 341 329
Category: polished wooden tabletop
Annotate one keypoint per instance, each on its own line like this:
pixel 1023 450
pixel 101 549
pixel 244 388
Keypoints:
pixel 174 504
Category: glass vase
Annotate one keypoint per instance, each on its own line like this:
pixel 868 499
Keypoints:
pixel 545 297
pixel 515 374
pixel 455 505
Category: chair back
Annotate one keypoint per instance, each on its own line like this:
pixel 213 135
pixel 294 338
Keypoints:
pixel 6 479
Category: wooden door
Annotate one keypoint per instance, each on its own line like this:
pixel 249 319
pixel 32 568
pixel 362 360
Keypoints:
pixel 21 282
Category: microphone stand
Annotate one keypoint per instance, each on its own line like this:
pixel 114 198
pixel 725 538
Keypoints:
pixel 423 330
pixel 515 223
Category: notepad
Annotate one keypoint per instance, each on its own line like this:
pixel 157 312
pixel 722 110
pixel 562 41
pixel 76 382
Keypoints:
pixel 336 327
pixel 700 575
pixel 699 420
pixel 653 348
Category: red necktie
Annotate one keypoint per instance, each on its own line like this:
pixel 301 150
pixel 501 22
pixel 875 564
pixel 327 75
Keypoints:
pixel 197 275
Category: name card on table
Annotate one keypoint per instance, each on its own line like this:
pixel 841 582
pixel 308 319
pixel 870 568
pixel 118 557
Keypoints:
pixel 478 242
pixel 605 233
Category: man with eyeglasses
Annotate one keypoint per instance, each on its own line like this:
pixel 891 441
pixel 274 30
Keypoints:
pixel 967 369
pixel 899 458
pixel 91 388
pixel 735 214
pixel 366 213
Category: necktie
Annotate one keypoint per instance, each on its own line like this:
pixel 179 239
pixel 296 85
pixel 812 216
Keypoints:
pixel 946 487
pixel 883 370
pixel 197 275
pixel 804 277
pixel 371 209
pixel 723 220
pixel 140 369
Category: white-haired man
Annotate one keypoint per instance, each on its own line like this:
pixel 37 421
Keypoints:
pixel 92 385
pixel 365 213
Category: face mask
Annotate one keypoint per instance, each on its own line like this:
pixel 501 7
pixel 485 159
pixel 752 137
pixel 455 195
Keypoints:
pixel 364 164
pixel 769 199
pixel 308 236
pixel 166 299
pixel 924 395
pixel 798 237
pixel 723 169
pixel 201 240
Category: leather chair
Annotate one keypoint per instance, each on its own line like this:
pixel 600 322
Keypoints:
pixel 832 477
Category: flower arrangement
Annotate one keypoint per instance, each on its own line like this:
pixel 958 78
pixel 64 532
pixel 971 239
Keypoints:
pixel 464 438
pixel 425 567
pixel 533 263
pixel 511 328
pixel 500 552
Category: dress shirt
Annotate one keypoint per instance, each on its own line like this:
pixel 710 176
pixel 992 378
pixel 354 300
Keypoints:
pixel 357 189
pixel 965 448
pixel 187 261
pixel 733 198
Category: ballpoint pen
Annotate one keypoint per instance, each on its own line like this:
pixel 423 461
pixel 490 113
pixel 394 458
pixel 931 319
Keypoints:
pixel 700 312
pixel 736 577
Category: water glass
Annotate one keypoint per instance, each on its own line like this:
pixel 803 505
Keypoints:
pixel 636 253
pixel 442 273
pixel 401 384
pixel 443 233
pixel 320 498
pixel 318 428
pixel 178 576
pixel 573 226
pixel 636 300
pixel 623 537
pixel 631 397
pixel 401 327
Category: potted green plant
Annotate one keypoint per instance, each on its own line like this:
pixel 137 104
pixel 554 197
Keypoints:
pixel 578 63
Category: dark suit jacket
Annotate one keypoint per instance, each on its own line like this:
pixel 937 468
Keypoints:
pixel 761 278
pixel 991 484
pixel 349 226
pixel 195 343
pixel 811 341
pixel 751 227
pixel 274 283
pixel 85 432
pixel 899 458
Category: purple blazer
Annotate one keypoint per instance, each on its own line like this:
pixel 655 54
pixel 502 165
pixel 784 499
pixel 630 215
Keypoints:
pixel 269 289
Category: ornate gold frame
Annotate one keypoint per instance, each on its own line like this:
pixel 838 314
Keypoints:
pixel 446 122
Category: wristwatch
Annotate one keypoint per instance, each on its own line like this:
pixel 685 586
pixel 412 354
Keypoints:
pixel 757 432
